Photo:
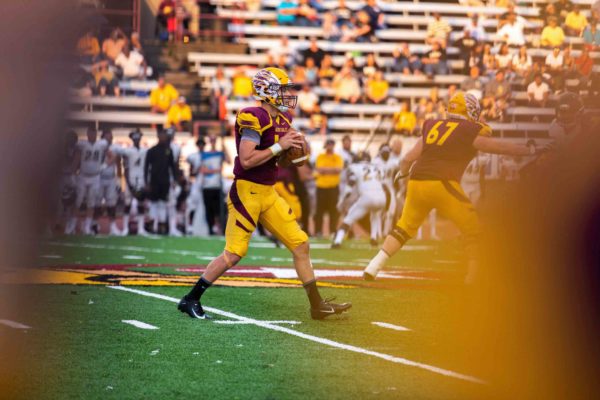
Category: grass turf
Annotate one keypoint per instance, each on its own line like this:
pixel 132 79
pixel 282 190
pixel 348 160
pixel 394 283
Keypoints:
pixel 79 348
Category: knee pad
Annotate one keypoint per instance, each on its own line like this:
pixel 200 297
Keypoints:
pixel 345 227
pixel 400 235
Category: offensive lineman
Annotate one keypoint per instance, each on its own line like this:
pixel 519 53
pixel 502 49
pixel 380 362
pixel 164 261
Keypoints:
pixel 262 133
pixel 364 179
pixel 90 155
pixel 440 159
pixel 133 162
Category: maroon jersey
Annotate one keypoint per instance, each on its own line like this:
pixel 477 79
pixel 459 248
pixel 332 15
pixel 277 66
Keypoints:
pixel 270 130
pixel 447 148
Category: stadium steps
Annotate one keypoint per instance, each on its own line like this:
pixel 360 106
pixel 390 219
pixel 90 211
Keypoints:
pixel 171 59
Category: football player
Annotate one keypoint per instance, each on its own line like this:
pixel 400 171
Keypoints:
pixel 160 170
pixel 363 181
pixel 473 177
pixel 261 134
pixel 387 170
pixel 440 158
pixel 133 162
pixel 175 190
pixel 110 187
pixel 195 211
pixel 91 153
pixel 68 184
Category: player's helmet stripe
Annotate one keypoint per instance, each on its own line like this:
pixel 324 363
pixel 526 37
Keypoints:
pixel 237 203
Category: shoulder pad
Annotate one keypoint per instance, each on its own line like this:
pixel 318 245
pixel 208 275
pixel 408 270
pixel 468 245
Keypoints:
pixel 255 118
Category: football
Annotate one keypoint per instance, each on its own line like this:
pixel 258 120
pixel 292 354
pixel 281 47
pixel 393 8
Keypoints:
pixel 294 155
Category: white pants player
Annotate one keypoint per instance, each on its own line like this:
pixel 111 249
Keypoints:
pixel 172 209
pixel 88 187
pixel 373 204
pixel 134 207
pixel 109 194
pixel 66 203
pixel 195 204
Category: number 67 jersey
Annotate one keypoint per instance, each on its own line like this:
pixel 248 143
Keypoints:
pixel 447 148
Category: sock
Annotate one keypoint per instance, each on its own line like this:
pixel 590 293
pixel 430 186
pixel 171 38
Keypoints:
pixel 161 211
pixel 199 289
pixel 377 263
pixel 140 222
pixel 339 236
pixel 126 222
pixel 313 293
pixel 87 224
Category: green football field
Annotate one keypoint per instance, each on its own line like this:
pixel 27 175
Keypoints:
pixel 261 343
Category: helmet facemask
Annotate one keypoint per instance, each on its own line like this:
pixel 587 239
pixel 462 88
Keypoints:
pixel 284 101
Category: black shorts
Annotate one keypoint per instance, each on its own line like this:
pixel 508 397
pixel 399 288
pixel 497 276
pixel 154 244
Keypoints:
pixel 159 191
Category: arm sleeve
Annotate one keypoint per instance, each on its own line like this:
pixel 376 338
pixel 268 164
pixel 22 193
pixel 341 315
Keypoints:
pixel 251 135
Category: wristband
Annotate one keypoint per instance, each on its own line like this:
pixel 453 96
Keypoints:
pixel 276 149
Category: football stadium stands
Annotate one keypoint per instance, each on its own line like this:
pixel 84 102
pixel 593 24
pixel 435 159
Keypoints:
pixel 259 37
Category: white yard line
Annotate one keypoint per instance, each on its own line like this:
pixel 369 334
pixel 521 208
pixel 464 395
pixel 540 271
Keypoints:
pixel 316 339
pixel 391 326
pixel 139 324
pixel 13 324
pixel 209 256
pixel 229 322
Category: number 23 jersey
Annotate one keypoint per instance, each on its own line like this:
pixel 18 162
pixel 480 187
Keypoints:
pixel 447 148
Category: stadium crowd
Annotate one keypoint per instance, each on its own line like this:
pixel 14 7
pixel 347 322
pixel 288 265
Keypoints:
pixel 494 63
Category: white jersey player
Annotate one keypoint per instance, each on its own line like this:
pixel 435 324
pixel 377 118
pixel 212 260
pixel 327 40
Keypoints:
pixel 195 202
pixel 365 185
pixel 90 154
pixel 175 190
pixel 68 185
pixel 388 168
pixel 473 176
pixel 110 187
pixel 135 184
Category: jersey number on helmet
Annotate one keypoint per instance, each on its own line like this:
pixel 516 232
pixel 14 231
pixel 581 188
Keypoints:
pixel 434 133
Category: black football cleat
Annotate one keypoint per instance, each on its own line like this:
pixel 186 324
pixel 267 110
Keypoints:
pixel 368 277
pixel 193 308
pixel 335 245
pixel 327 308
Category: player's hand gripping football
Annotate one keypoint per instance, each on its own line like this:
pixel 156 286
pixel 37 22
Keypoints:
pixel 292 138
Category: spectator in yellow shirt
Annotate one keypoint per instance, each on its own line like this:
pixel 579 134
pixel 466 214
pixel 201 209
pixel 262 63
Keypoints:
pixel 405 120
pixel 552 35
pixel 329 168
pixel 162 96
pixel 575 22
pixel 242 84
pixel 88 47
pixel 179 115
pixel 377 89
